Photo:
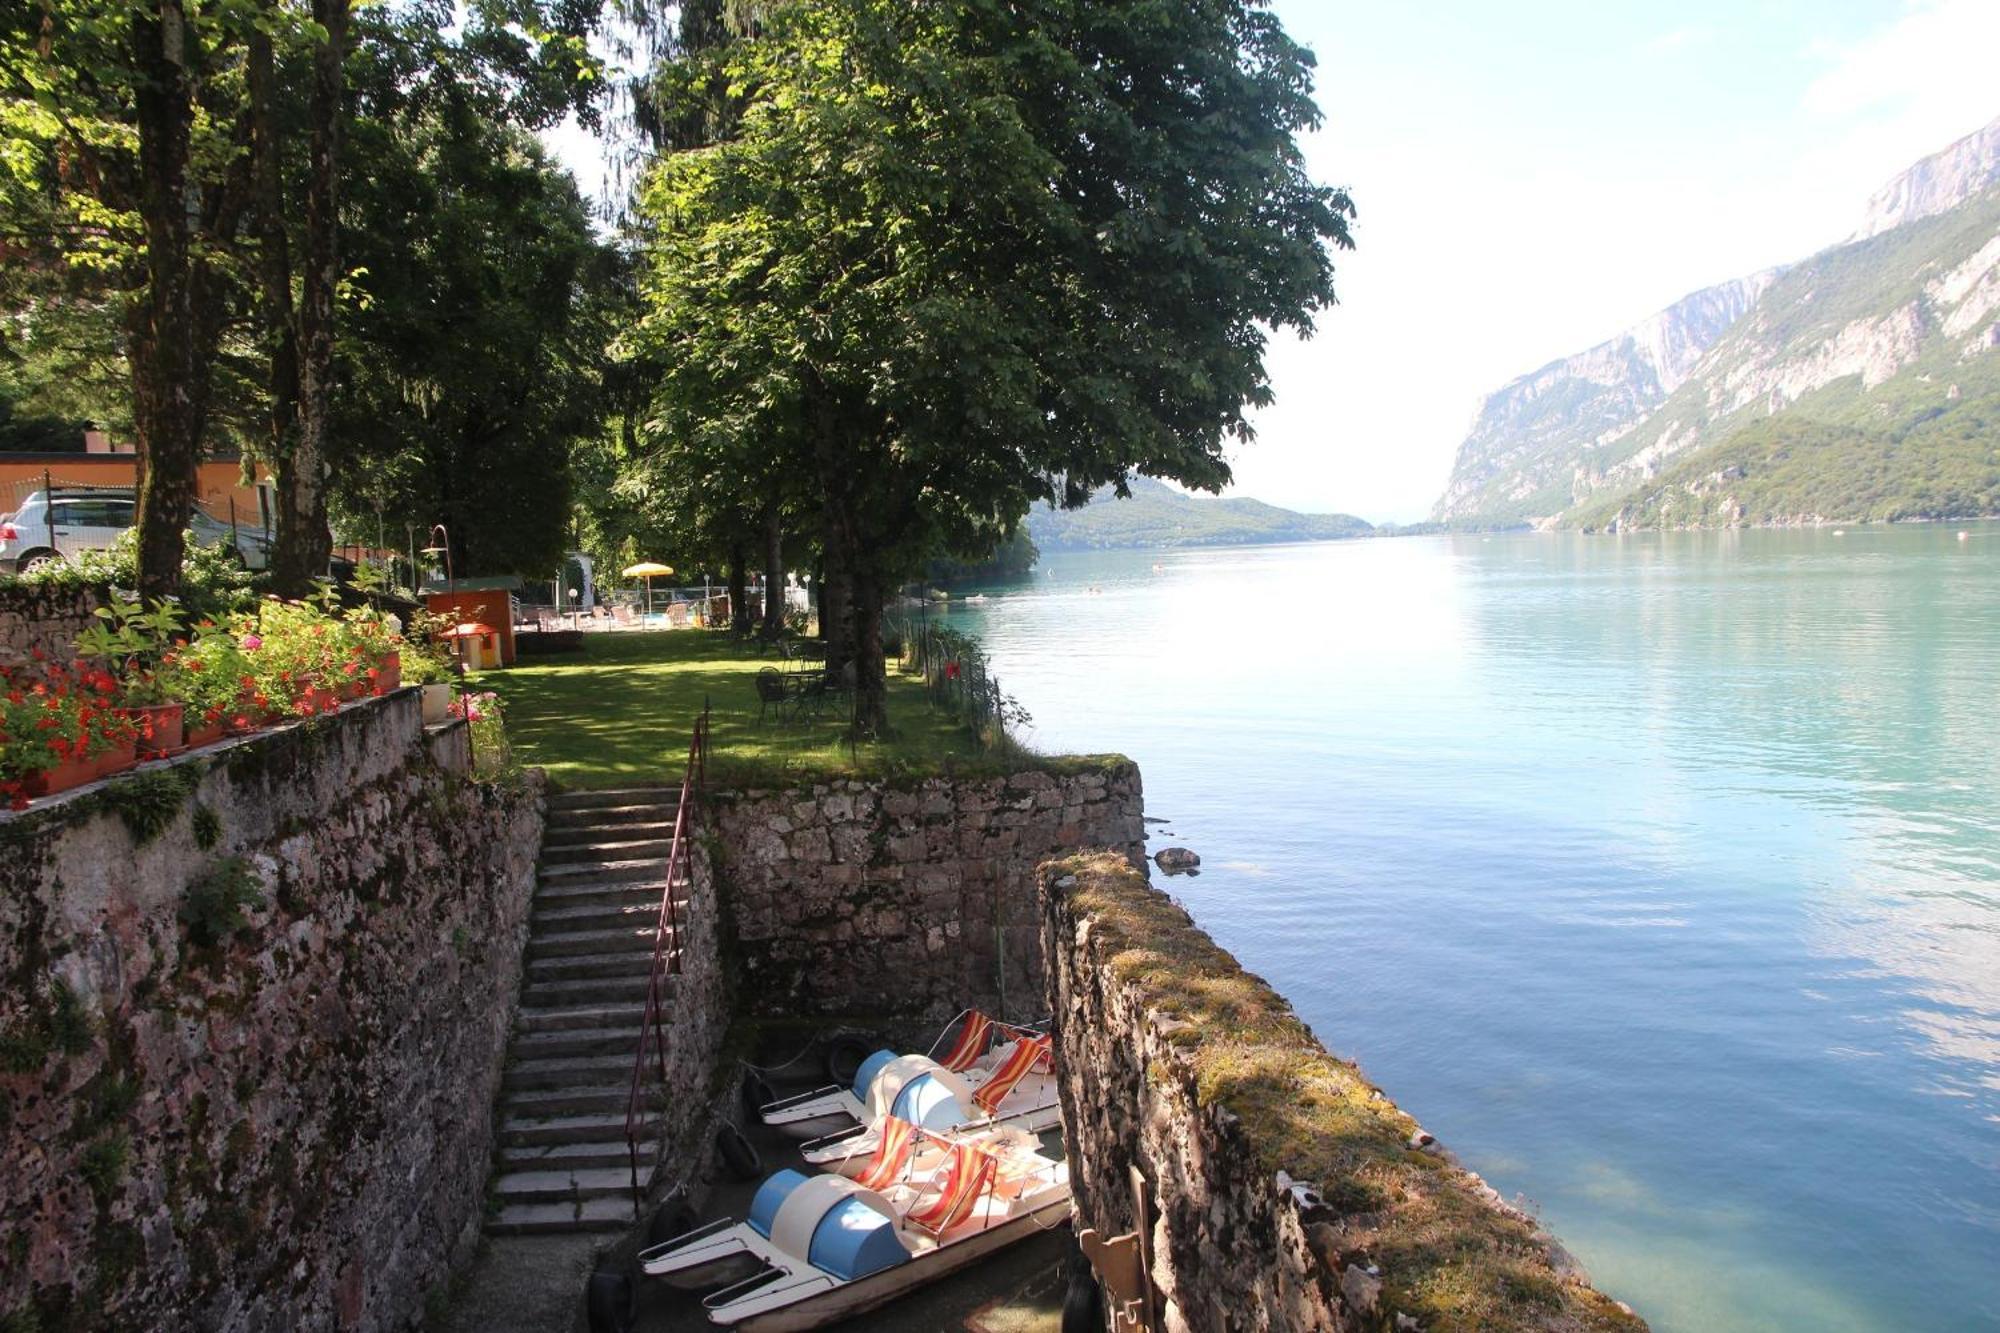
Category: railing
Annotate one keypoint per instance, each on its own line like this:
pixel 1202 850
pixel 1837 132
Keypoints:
pixel 958 679
pixel 666 945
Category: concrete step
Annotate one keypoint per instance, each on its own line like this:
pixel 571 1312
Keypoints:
pixel 604 849
pixel 610 816
pixel 642 869
pixel 574 943
pixel 628 992
pixel 555 1186
pixel 603 1099
pixel 568 1071
pixel 526 1131
pixel 614 830
pixel 608 1154
pixel 643 913
pixel 541 1219
pixel 549 1019
pixel 550 897
pixel 637 963
pixel 563 1042
pixel 614 798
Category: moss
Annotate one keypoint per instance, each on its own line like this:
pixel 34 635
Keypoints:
pixel 1447 1256
pixel 102 1165
pixel 206 826
pixel 214 909
pixel 148 802
pixel 59 1026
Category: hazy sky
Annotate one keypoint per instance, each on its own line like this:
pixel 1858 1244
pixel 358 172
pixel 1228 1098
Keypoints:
pixel 1533 177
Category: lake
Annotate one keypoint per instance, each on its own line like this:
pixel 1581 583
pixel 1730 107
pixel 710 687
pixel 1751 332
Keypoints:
pixel 1657 875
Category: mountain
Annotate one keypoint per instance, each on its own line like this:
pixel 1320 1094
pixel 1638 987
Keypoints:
pixel 1942 181
pixel 1528 438
pixel 1157 515
pixel 1860 351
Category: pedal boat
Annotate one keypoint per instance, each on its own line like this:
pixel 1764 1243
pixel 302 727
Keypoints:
pixel 823 1248
pixel 882 1076
pixel 1018 1088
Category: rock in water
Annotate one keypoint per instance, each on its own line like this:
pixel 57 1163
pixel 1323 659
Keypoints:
pixel 1175 860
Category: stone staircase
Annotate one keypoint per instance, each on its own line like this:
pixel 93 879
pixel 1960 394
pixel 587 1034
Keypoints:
pixel 564 1166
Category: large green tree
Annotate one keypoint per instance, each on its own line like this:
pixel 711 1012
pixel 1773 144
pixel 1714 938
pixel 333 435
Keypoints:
pixel 956 257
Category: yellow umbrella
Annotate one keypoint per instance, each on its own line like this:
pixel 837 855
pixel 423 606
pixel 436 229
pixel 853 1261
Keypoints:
pixel 648 570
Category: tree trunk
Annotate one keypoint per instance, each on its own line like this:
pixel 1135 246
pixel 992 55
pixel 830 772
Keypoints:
pixel 774 574
pixel 169 370
pixel 871 685
pixel 274 259
pixel 304 543
pixel 739 588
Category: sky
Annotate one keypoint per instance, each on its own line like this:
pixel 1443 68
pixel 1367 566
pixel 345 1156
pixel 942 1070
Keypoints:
pixel 1531 178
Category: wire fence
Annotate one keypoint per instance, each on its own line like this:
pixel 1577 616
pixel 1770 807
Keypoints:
pixel 959 680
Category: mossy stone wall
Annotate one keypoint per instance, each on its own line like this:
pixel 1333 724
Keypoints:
pixel 1286 1191
pixel 253 1008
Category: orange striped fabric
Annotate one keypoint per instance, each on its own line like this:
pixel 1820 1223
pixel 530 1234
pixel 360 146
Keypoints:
pixel 1026 1054
pixel 969 1176
pixel 971 1042
pixel 892 1154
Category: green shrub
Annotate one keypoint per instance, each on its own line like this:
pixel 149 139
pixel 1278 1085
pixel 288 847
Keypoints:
pixel 216 903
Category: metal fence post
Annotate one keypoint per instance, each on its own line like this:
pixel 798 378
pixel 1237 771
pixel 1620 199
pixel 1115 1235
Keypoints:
pixel 49 507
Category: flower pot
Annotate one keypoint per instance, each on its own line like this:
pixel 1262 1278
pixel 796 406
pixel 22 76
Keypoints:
pixel 121 756
pixel 159 727
pixel 437 702
pixel 389 674
pixel 208 733
pixel 69 773
pixel 316 701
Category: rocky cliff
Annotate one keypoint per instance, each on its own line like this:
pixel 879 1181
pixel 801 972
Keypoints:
pixel 1864 347
pixel 1940 182
pixel 1529 437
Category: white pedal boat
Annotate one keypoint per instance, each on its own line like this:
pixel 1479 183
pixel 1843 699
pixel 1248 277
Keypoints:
pixel 883 1075
pixel 823 1248
pixel 1018 1088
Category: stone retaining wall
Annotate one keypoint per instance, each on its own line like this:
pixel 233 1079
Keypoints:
pixel 42 618
pixel 253 1007
pixel 1286 1192
pixel 874 900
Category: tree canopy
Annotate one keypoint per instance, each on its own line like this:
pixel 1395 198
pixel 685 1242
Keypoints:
pixel 955 258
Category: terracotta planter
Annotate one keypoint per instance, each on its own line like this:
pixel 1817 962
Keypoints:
pixel 208 733
pixel 437 703
pixel 389 674
pixel 69 773
pixel 116 759
pixel 317 701
pixel 159 727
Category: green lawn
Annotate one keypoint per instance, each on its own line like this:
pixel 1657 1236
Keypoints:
pixel 622 710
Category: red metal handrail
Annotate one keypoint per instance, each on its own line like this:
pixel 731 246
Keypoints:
pixel 666 956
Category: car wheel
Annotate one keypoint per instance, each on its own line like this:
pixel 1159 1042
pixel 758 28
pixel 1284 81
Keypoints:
pixel 39 560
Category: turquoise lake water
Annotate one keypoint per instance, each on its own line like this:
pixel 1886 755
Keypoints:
pixel 1659 876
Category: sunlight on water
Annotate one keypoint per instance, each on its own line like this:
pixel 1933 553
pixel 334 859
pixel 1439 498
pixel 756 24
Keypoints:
pixel 1660 876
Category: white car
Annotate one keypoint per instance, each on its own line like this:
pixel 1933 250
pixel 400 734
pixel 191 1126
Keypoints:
pixel 60 525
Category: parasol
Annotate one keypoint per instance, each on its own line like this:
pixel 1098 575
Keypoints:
pixel 648 570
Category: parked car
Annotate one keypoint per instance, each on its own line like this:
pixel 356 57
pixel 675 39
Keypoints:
pixel 64 523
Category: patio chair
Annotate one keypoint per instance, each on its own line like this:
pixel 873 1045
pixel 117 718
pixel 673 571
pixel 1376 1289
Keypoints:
pixel 772 694
pixel 623 617
pixel 677 615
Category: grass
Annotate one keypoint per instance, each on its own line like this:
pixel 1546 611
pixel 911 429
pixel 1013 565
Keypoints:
pixel 621 712
pixel 1447 1255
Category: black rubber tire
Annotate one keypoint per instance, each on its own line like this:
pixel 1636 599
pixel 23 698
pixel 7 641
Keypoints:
pixel 671 1220
pixel 844 1056
pixel 739 1155
pixel 1083 1303
pixel 35 560
pixel 757 1092
pixel 610 1302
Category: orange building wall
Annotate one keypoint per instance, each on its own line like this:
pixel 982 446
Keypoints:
pixel 216 482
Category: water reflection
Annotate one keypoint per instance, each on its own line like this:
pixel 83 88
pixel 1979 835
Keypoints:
pixel 1657 874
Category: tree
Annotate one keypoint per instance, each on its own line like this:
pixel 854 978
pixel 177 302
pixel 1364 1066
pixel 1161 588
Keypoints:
pixel 958 257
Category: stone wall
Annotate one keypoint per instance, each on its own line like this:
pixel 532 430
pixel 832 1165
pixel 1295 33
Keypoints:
pixel 42 618
pixel 1285 1191
pixel 698 1022
pixel 874 900
pixel 253 1006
